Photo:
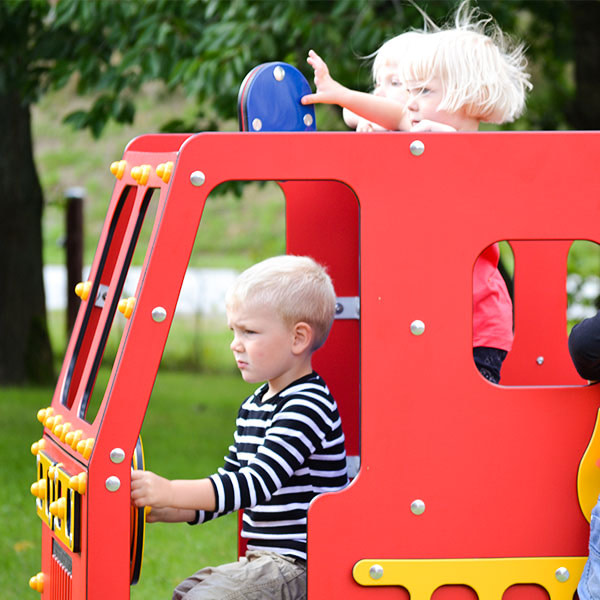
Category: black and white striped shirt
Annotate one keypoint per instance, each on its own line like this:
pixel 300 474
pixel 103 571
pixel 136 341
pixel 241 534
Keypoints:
pixel 287 450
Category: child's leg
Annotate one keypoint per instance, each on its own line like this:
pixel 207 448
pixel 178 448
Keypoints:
pixel 589 585
pixel 257 576
pixel 489 362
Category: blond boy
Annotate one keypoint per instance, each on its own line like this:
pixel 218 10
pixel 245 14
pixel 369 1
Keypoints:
pixel 288 446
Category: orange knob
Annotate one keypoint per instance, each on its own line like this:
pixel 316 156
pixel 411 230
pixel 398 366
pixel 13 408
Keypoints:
pixel 118 168
pixel 126 306
pixel 43 413
pixel 37 582
pixel 164 171
pixel 78 483
pixel 37 446
pixel 84 447
pixel 82 289
pixel 59 508
pixel 73 437
pixel 38 489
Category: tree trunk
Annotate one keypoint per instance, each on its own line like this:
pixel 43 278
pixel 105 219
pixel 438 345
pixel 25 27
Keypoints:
pixel 586 25
pixel 25 352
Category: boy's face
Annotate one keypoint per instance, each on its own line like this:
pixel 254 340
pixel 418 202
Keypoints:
pixel 262 345
pixel 389 85
pixel 423 103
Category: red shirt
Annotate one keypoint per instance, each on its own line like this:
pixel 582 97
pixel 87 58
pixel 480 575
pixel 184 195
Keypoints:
pixel 492 306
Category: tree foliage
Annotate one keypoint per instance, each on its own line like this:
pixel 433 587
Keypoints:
pixel 205 48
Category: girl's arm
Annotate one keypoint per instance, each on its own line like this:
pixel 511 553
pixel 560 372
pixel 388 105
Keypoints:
pixel 383 111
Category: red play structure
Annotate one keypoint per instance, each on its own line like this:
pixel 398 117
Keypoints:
pixel 464 487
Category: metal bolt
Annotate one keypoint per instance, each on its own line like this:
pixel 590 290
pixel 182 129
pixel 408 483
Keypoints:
pixel 117 455
pixel 539 360
pixel 417 148
pixel 417 327
pixel 339 308
pixel 256 124
pixel 308 119
pixel 562 574
pixel 278 73
pixel 417 507
pixel 376 572
pixel 113 483
pixel 197 178
pixel 159 314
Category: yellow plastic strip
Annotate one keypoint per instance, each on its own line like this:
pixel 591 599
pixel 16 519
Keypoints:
pixel 588 475
pixel 488 577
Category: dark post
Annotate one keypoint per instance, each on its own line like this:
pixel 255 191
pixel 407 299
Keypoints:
pixel 74 249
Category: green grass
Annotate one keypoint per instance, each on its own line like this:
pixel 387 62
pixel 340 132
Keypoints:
pixel 188 427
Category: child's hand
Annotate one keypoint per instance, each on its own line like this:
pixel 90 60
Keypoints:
pixel 169 515
pixel 149 489
pixel 426 125
pixel 328 91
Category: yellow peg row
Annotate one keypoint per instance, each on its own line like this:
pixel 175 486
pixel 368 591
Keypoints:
pixel 85 447
pixel 118 168
pixel 141 173
pixel 59 508
pixel 126 306
pixel 165 170
pixel 38 489
pixel 72 438
pixel 82 289
pixel 44 413
pixel 78 483
pixel 37 446
pixel 37 582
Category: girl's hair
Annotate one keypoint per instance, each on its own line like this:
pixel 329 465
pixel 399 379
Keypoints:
pixel 480 68
pixel 391 53
pixel 296 288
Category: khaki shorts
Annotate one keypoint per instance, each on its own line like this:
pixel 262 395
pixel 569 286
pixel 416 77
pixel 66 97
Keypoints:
pixel 257 576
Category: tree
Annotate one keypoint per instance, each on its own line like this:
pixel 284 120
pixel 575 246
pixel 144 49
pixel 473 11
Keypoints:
pixel 206 47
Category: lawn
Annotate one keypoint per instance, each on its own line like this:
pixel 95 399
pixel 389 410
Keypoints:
pixel 186 433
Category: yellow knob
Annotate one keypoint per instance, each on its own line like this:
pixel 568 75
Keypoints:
pixel 37 582
pixel 79 482
pixel 141 173
pixel 82 289
pixel 37 446
pixel 43 413
pixel 72 438
pixel 164 171
pixel 53 421
pixel 58 508
pixel 62 429
pixel 84 447
pixel 117 168
pixel 126 306
pixel 38 489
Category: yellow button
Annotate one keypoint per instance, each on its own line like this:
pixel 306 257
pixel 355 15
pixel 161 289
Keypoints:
pixel 37 582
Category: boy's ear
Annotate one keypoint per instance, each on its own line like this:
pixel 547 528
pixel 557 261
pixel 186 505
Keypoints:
pixel 303 337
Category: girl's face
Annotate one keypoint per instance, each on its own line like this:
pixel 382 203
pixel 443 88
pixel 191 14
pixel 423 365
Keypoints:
pixel 423 102
pixel 389 85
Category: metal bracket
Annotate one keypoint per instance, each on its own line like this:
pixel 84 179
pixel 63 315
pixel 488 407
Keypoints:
pixel 101 296
pixel 347 307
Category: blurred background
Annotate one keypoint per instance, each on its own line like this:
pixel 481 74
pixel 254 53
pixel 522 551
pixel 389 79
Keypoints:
pixel 78 80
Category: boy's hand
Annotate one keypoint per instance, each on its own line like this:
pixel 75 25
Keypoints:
pixel 149 489
pixel 328 91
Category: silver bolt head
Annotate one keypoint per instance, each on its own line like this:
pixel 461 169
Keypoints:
pixel 256 124
pixel 539 360
pixel 307 119
pixel 417 507
pixel 117 455
pixel 197 178
pixel 376 572
pixel 113 483
pixel 159 314
pixel 278 73
pixel 417 327
pixel 562 574
pixel 417 147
